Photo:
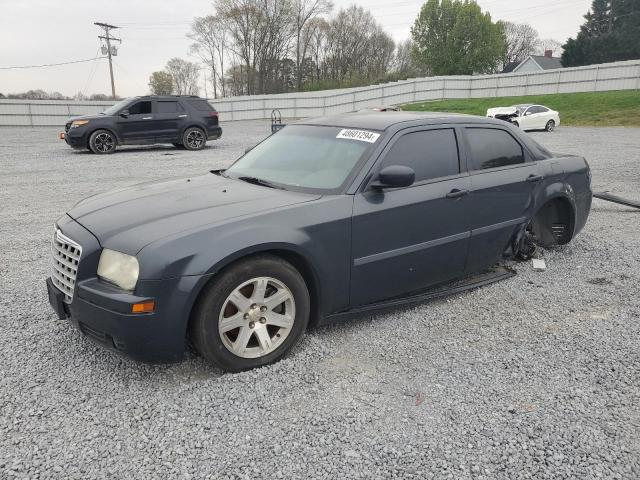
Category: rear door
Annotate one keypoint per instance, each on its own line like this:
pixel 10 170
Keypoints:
pixel 169 118
pixel 503 182
pixel 139 125
pixel 406 239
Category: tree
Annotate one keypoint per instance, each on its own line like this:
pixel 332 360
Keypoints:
pixel 209 35
pixel 185 76
pixel 161 83
pixel 550 44
pixel 611 33
pixel 305 11
pixel 451 37
pixel 521 41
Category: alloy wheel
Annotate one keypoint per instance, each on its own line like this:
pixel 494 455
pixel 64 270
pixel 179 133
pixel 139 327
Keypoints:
pixel 257 317
pixel 195 139
pixel 104 142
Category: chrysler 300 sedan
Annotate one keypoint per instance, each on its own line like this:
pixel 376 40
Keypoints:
pixel 326 218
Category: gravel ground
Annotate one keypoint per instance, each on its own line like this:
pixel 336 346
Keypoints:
pixel 534 377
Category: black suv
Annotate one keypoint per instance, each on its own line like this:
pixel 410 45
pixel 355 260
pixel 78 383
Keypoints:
pixel 185 121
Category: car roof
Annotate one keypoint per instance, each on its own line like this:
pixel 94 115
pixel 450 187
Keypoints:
pixel 383 120
pixel 525 105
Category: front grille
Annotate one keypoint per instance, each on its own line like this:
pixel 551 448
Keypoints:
pixel 66 256
pixel 67 127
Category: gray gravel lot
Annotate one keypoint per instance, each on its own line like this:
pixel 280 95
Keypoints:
pixel 534 377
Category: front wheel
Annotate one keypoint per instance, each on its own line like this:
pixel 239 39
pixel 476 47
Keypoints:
pixel 194 139
pixel 550 126
pixel 102 142
pixel 251 315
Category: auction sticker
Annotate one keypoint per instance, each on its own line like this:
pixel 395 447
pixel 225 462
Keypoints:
pixel 361 135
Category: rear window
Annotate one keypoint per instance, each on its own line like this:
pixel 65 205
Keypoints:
pixel 492 148
pixel 201 104
pixel 165 106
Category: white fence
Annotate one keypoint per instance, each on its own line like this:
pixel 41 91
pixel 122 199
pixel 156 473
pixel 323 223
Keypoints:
pixel 608 76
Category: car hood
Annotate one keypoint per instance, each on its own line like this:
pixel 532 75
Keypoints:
pixel 93 116
pixel 130 218
pixel 502 111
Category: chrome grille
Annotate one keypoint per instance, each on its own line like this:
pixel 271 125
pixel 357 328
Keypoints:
pixel 66 256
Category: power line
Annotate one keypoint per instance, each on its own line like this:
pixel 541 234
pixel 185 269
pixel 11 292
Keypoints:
pixel 52 64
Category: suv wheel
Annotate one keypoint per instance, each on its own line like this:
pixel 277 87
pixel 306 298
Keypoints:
pixel 194 139
pixel 102 141
pixel 251 315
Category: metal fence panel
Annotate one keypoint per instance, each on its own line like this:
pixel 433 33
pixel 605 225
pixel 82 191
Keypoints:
pixel 611 76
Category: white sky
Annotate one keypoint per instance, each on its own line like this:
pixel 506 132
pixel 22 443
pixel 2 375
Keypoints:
pixel 34 32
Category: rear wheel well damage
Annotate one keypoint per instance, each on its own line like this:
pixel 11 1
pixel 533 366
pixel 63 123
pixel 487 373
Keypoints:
pixel 299 262
pixel 552 225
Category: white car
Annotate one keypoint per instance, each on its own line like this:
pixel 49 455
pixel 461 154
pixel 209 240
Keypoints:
pixel 527 117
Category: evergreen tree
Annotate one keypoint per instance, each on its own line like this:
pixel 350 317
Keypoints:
pixel 611 33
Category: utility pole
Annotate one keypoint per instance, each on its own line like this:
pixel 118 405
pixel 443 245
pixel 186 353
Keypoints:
pixel 107 38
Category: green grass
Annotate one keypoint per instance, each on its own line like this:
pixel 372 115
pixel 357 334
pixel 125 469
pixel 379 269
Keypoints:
pixel 599 109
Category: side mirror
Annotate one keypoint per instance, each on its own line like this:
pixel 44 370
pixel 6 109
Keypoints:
pixel 124 113
pixel 395 176
pixel 527 114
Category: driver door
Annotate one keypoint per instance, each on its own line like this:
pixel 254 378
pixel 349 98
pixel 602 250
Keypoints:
pixel 406 239
pixel 139 126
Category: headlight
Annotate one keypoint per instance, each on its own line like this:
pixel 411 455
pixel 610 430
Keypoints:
pixel 119 268
pixel 78 123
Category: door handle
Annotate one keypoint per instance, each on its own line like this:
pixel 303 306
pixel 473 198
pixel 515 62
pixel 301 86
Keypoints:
pixel 147 118
pixel 534 178
pixel 456 193
pixel 182 116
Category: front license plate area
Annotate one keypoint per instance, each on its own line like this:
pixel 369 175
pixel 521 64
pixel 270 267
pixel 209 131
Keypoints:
pixel 56 300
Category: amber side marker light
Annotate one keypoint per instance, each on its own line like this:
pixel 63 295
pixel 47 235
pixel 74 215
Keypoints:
pixel 143 307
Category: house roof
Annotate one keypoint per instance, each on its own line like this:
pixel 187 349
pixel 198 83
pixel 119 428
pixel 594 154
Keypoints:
pixel 545 63
pixel 510 67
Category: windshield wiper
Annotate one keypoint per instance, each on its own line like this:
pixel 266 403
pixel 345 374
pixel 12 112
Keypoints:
pixel 259 181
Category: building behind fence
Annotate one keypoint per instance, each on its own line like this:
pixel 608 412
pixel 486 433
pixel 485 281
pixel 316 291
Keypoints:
pixel 592 78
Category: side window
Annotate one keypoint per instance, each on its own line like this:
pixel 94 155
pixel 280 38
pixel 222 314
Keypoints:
pixel 542 110
pixel 168 107
pixel 491 148
pixel 140 108
pixel 431 153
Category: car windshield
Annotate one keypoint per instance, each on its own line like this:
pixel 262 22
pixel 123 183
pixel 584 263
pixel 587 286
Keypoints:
pixel 306 157
pixel 115 108
pixel 521 108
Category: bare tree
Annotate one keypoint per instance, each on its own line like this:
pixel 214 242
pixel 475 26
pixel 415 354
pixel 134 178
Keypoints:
pixel 550 44
pixel 185 76
pixel 521 40
pixel 209 35
pixel 305 11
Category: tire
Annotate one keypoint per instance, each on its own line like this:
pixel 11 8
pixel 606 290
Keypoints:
pixel 550 126
pixel 194 138
pixel 102 142
pixel 236 327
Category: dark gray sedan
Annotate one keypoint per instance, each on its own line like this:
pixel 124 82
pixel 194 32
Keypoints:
pixel 325 219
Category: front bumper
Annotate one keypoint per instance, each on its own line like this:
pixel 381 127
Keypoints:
pixel 76 139
pixel 102 312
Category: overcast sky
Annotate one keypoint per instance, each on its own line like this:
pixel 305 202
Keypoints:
pixel 34 32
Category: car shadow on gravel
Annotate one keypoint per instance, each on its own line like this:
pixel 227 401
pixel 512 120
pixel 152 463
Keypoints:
pixel 144 148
